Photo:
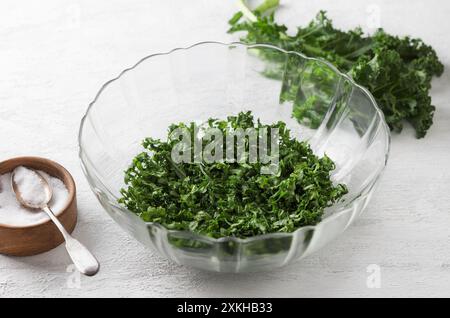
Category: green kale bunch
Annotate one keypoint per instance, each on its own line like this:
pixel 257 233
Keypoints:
pixel 397 71
pixel 230 198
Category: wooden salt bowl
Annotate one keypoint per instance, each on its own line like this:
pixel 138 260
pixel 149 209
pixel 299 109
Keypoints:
pixel 43 236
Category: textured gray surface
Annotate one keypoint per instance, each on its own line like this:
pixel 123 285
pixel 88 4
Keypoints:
pixel 54 55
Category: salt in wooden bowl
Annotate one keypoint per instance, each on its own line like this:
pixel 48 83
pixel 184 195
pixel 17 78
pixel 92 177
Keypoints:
pixel 42 236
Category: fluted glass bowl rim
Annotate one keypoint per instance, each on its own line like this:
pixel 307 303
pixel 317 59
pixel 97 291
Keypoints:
pixel 343 209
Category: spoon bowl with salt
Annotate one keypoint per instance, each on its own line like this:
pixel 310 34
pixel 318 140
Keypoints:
pixel 34 192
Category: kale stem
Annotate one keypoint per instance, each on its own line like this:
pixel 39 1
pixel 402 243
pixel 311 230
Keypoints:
pixel 262 8
pixel 267 5
pixel 312 31
pixel 312 49
pixel 361 51
pixel 246 11
pixel 382 87
pixel 318 52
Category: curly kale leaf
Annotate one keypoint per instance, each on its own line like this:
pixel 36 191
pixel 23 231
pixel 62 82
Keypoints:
pixel 397 71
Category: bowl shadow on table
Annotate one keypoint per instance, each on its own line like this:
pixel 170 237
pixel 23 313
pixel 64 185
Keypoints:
pixel 291 280
pixel 330 260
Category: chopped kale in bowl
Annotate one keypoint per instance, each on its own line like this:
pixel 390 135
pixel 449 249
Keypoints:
pixel 230 197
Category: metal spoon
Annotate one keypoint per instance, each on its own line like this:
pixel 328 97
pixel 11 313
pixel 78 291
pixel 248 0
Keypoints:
pixel 84 261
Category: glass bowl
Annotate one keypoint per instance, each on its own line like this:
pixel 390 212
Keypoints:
pixel 211 79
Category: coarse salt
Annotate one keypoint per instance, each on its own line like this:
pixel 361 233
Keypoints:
pixel 30 186
pixel 13 213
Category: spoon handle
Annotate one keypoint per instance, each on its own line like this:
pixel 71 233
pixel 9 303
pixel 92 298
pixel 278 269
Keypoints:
pixel 83 260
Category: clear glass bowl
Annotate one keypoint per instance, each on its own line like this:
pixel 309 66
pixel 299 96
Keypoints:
pixel 211 79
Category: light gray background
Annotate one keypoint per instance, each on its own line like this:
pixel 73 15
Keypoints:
pixel 55 54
